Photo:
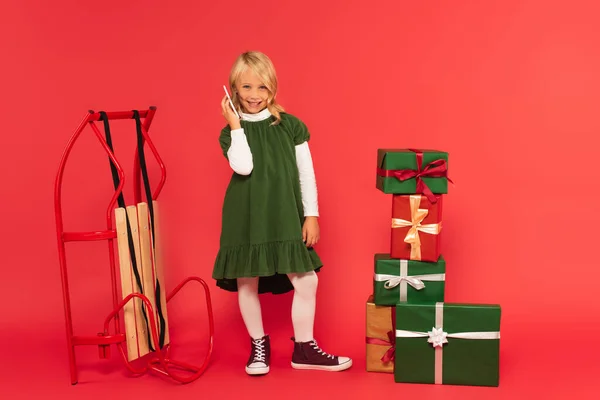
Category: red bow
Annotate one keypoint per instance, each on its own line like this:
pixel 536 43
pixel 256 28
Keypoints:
pixel 390 353
pixel 435 169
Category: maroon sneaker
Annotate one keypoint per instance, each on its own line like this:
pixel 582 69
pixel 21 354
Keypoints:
pixel 308 355
pixel 260 356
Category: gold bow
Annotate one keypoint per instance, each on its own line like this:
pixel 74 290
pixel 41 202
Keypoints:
pixel 417 216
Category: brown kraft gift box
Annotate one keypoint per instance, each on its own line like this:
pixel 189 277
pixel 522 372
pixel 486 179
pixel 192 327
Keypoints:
pixel 380 337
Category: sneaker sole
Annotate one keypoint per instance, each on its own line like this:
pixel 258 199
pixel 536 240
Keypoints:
pixel 257 370
pixel 340 367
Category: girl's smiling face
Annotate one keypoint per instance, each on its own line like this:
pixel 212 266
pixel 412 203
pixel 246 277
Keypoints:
pixel 252 92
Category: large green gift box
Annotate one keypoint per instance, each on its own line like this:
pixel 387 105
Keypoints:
pixel 398 280
pixel 409 171
pixel 447 343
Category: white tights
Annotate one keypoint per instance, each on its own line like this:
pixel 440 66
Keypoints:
pixel 303 305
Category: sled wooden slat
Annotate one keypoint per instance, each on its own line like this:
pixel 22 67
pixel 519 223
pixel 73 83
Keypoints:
pixel 151 274
pixel 136 330
pixel 159 267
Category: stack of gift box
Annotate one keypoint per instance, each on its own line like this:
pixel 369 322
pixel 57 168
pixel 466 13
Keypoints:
pixel 410 330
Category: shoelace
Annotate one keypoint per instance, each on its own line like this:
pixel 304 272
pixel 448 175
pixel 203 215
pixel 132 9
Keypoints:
pixel 259 350
pixel 319 350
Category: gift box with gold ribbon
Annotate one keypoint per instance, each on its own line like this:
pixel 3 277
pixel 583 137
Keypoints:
pixel 380 337
pixel 400 281
pixel 416 227
pixel 447 344
pixel 412 171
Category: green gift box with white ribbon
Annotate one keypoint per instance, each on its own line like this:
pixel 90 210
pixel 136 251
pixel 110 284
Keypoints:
pixel 407 281
pixel 447 343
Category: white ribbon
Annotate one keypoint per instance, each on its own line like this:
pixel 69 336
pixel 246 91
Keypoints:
pixel 416 281
pixel 437 337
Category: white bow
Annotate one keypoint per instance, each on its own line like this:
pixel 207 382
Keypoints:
pixel 416 281
pixel 394 281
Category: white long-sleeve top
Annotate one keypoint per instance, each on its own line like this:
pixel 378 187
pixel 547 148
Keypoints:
pixel 241 161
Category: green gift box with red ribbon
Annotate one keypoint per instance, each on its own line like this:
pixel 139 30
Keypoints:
pixel 412 171
pixel 447 343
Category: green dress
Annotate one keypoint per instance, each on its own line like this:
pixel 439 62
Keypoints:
pixel 261 232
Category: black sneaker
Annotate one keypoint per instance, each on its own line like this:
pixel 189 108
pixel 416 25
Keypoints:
pixel 260 356
pixel 308 355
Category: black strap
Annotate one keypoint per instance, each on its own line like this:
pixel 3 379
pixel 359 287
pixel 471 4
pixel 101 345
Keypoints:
pixel 142 159
pixel 121 202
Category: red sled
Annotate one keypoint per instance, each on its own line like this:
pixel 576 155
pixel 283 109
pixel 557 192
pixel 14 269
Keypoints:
pixel 141 302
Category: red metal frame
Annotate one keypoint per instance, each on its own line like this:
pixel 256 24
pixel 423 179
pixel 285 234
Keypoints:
pixel 159 360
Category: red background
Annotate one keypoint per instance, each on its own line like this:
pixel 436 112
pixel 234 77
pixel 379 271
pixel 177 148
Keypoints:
pixel 509 89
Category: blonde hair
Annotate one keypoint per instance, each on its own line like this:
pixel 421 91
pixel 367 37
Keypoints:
pixel 262 66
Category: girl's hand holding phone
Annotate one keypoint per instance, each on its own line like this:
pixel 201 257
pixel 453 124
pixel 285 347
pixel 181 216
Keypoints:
pixel 229 114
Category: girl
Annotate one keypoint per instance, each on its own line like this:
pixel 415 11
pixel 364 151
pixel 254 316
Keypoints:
pixel 270 211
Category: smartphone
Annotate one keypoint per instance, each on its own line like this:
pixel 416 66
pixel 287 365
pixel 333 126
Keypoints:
pixel 230 102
